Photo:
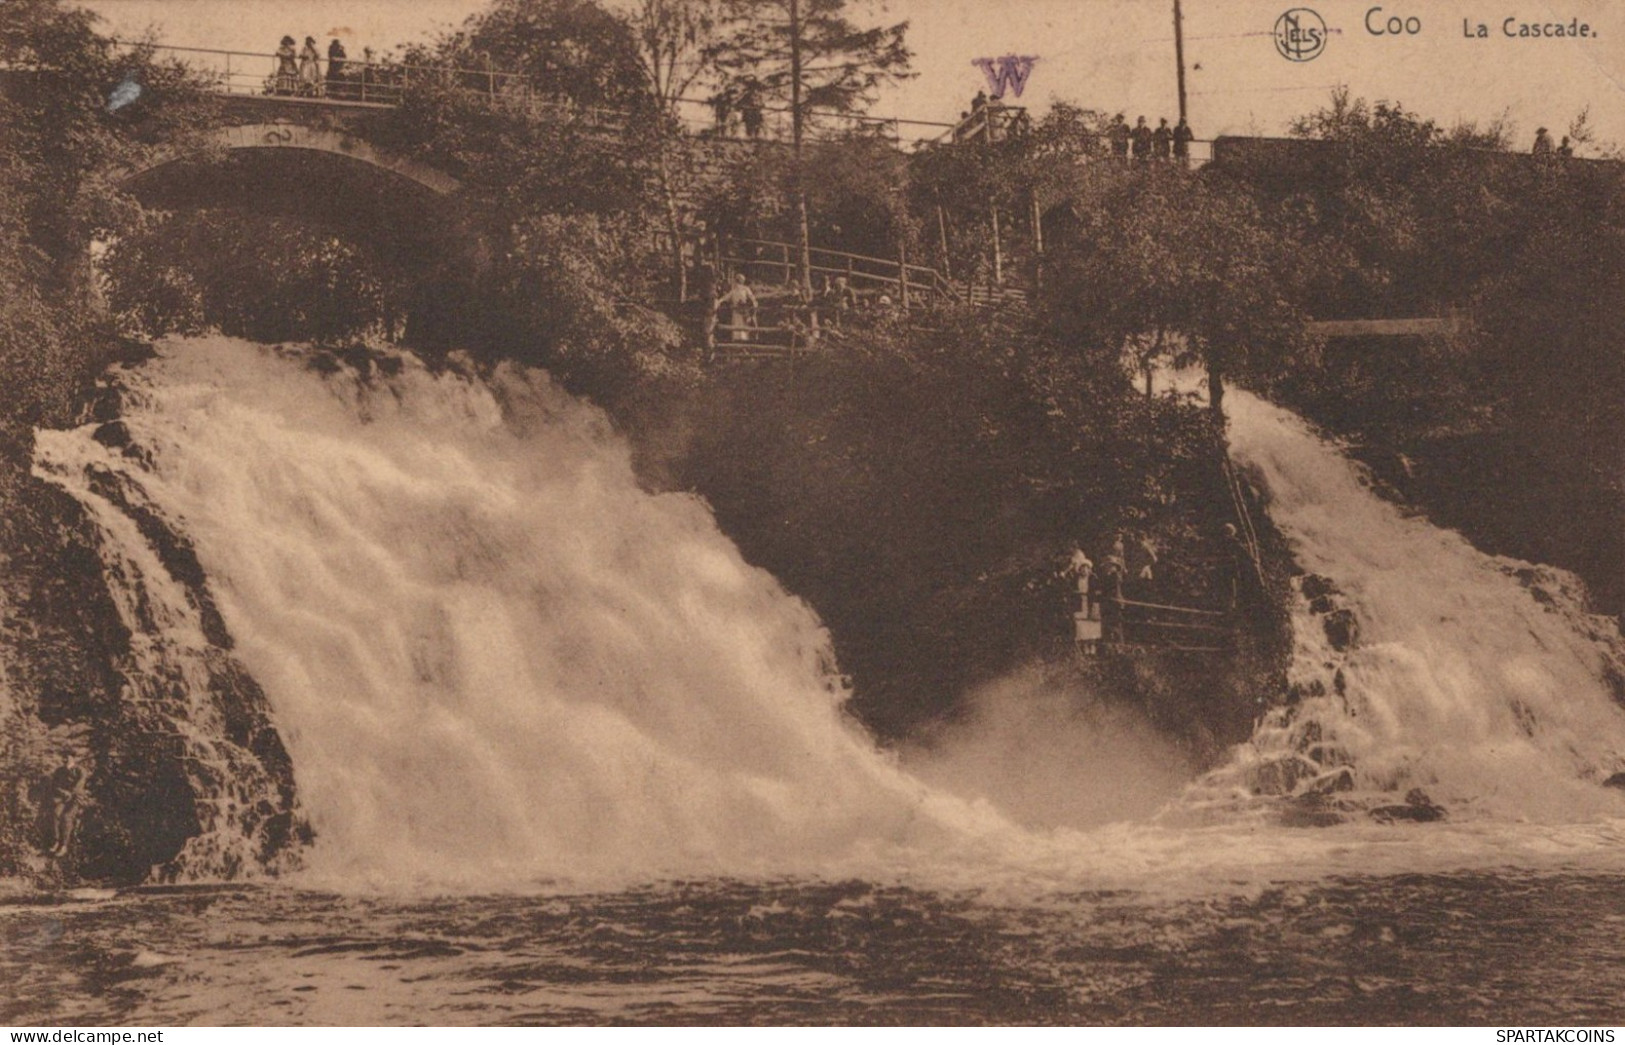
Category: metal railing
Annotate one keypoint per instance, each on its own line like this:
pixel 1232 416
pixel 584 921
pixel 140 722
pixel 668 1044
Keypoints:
pixel 385 82
pixel 368 81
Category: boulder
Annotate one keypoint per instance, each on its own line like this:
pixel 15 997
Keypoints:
pixel 1418 808
pixel 1342 629
pixel 1315 586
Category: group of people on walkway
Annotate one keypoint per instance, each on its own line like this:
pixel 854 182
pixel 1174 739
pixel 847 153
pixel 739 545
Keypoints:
pixel 1142 142
pixel 1129 574
pixel 989 118
pixel 739 105
pixel 735 309
pixel 299 71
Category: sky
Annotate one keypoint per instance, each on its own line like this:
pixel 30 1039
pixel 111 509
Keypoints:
pixel 1115 55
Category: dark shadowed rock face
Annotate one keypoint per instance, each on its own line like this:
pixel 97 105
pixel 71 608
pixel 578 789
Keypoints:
pixel 185 773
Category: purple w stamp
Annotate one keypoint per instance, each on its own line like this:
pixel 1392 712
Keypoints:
pixel 1009 72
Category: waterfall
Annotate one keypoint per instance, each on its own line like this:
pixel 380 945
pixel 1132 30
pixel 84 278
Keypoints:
pixel 1481 680
pixel 494 658
pixel 490 653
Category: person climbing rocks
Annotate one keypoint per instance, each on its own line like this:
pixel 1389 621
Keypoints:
pixel 66 797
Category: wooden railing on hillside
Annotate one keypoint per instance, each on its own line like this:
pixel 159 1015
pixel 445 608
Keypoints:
pixel 776 261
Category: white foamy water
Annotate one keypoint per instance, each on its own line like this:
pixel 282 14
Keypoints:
pixel 490 652
pixel 1479 679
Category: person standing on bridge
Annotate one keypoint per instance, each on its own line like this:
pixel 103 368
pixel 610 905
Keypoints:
pixel 1162 141
pixel 310 69
pixel 1118 135
pixel 287 67
pixel 1182 143
pixel 336 57
pixel 1140 137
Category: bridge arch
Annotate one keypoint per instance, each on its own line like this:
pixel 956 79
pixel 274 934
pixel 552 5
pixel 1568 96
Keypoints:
pixel 295 136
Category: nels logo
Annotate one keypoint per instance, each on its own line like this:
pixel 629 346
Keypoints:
pixel 1300 34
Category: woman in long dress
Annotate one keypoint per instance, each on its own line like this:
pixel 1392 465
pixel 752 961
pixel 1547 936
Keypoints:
pixel 287 67
pixel 310 69
pixel 741 302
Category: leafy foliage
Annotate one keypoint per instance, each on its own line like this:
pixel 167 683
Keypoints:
pixel 841 64
pixel 921 486
pixel 1175 268
pixel 60 138
pixel 262 277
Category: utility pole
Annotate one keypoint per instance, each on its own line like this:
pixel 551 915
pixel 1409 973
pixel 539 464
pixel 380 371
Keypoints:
pixel 1179 55
pixel 803 233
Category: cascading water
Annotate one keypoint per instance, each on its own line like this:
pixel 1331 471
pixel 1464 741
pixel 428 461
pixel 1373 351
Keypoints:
pixel 1479 679
pixel 494 658
pixel 492 655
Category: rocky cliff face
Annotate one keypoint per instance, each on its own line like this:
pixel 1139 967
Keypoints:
pixel 111 651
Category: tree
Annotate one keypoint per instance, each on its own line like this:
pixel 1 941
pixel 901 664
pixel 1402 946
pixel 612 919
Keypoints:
pixel 1169 266
pixel 57 139
pixel 566 50
pixel 810 54
pixel 674 40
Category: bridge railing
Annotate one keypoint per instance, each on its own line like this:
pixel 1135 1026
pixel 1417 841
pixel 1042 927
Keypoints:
pixel 364 81
pixel 384 82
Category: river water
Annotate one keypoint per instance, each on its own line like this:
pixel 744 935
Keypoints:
pixel 569 758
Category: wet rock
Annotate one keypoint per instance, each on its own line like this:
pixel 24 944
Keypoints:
pixel 116 435
pixel 1280 777
pixel 1299 691
pixel 1341 779
pixel 1342 629
pixel 77 685
pixel 1322 604
pixel 1311 810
